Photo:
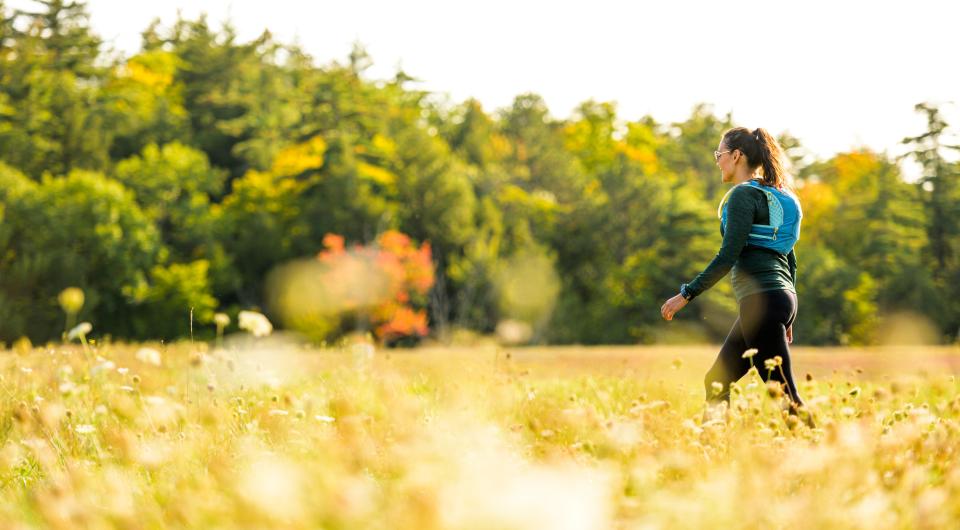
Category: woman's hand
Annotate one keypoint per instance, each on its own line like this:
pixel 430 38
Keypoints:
pixel 671 306
pixel 790 334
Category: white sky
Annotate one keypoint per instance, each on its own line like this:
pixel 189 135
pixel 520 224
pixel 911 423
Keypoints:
pixel 837 74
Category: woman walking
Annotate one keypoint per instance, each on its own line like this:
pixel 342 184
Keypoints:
pixel 760 223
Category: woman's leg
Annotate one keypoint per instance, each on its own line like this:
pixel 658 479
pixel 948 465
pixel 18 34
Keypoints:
pixel 729 366
pixel 766 317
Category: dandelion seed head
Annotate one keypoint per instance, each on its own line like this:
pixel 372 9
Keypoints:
pixel 774 389
pixel 105 366
pixel 222 320
pixel 80 330
pixel 149 356
pixel 255 323
pixel 273 486
pixel 51 415
pixel 490 486
pixel 152 453
pixel 512 331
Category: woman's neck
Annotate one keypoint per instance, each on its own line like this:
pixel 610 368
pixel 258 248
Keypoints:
pixel 740 178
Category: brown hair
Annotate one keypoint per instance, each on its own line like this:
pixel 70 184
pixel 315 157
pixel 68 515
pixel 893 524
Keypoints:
pixel 761 150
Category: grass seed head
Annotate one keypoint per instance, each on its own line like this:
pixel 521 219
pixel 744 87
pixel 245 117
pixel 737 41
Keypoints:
pixel 774 389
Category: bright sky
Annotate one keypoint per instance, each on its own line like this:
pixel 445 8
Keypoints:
pixel 837 73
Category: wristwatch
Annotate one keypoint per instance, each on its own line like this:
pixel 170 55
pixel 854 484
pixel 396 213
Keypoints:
pixel 685 293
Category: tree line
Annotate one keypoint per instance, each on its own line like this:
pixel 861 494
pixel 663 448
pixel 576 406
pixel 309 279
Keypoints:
pixel 181 176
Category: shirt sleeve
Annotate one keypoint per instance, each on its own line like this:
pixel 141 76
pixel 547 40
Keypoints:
pixel 741 209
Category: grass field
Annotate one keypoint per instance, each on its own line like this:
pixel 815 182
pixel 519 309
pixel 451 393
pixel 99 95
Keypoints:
pixel 263 434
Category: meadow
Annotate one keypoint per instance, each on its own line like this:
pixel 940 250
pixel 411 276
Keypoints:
pixel 265 433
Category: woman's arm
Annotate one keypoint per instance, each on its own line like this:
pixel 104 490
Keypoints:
pixel 741 209
pixel 792 262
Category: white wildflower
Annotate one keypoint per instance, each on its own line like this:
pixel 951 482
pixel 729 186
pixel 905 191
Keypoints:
pixel 84 429
pixel 105 366
pixel 255 323
pixel 80 330
pixel 222 320
pixel 149 356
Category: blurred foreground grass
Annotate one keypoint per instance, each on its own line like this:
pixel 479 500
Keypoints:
pixel 264 434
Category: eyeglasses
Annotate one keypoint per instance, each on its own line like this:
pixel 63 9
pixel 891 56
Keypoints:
pixel 716 154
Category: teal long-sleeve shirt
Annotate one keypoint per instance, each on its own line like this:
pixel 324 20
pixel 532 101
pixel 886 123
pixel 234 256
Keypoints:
pixel 753 269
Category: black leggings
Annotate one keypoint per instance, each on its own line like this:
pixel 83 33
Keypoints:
pixel 763 322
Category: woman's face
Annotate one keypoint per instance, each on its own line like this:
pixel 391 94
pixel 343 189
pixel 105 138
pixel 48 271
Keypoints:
pixel 725 161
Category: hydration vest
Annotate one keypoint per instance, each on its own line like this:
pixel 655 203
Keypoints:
pixel 785 214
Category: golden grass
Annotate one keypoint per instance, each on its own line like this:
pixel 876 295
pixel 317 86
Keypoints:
pixel 268 435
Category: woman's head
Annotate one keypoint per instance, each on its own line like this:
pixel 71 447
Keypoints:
pixel 745 150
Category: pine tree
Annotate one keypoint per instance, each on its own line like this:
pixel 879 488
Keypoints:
pixel 940 188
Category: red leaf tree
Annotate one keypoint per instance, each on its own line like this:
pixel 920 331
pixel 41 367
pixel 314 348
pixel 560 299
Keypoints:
pixel 385 283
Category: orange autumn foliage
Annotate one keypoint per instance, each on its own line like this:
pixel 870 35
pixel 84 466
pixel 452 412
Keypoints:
pixel 393 269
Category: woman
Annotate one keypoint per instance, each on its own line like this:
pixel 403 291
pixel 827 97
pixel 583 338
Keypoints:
pixel 760 223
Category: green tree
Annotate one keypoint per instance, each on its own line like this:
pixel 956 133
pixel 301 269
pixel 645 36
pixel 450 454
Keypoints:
pixel 940 189
pixel 82 230
pixel 145 100
pixel 243 105
pixel 174 186
pixel 837 301
pixel 874 219
pixel 53 120
pixel 260 223
pixel 620 257
pixel 163 306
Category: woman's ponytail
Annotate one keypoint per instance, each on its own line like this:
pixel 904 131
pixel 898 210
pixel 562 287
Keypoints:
pixel 762 151
pixel 770 159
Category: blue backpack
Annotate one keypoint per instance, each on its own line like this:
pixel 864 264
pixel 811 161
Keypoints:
pixel 785 214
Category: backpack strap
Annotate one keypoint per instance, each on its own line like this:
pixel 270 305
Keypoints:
pixel 723 202
pixel 775 209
